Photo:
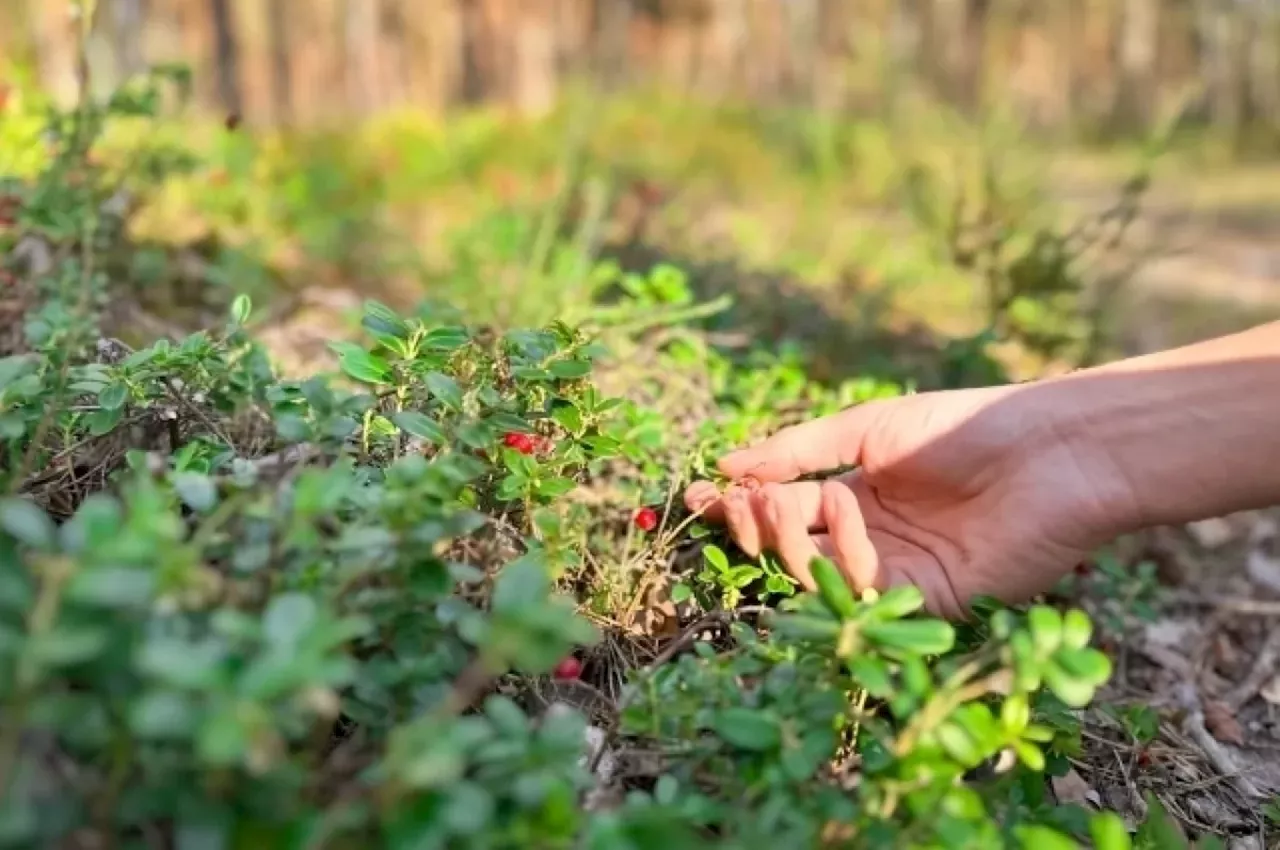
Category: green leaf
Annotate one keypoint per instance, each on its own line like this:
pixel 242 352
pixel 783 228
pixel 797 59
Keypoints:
pixel 445 338
pixel 67 645
pixel 1108 832
pixel 521 584
pixel 780 585
pixel 112 396
pixel 1015 714
pixel 1159 831
pixel 716 557
pixel 1089 665
pixel 112 587
pixel 14 367
pixel 807 627
pixel 1076 629
pixel 958 744
pixel 1046 628
pixel 223 739
pixel 681 593
pixel 380 319
pixel 25 522
pixel 445 389
pixel 872 674
pixel 833 589
pixel 12 426
pixel 1030 755
pixel 530 373
pixel 288 618
pixel 241 306
pixel 162 715
pixel 103 421
pixel 922 637
pixel 569 417
pixel 1038 837
pixel 197 491
pixel 1073 691
pixel 569 369
pixel 419 425
pixel 363 366
pixel 507 717
pixel 747 729
pixel 1026 666
pixel 503 421
pixel 897 602
pixel 553 488
pixel 469 808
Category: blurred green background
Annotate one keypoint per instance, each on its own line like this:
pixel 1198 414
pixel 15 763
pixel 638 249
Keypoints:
pixel 855 174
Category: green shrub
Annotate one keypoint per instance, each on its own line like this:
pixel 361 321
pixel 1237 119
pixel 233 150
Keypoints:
pixel 243 611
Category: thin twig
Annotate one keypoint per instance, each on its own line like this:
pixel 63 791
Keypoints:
pixel 1194 725
pixel 1264 667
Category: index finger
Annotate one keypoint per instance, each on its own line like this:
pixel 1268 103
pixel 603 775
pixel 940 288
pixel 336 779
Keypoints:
pixel 816 446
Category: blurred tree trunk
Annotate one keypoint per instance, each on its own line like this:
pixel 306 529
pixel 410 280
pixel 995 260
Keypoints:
pixel 281 68
pixel 1220 64
pixel 1139 35
pixel 126 29
pixel 360 45
pixel 54 36
pixel 957 34
pixel 1264 66
pixel 611 32
pixel 533 81
pixel 226 55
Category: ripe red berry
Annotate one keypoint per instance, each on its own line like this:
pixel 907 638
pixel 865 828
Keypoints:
pixel 646 519
pixel 522 443
pixel 569 668
pixel 1144 758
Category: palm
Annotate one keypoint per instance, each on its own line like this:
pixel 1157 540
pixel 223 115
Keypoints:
pixel 945 498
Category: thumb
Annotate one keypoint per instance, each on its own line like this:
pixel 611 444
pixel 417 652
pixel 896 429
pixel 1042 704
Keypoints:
pixel 816 446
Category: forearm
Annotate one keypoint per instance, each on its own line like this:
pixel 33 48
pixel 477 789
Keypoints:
pixel 1184 434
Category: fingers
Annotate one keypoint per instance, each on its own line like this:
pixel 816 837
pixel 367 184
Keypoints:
pixel 742 511
pixel 704 497
pixel 791 538
pixel 853 551
pixel 814 446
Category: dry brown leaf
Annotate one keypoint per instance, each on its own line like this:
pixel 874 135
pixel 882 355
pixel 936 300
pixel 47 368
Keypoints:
pixel 1263 565
pixel 1271 691
pixel 1221 722
pixel 1211 533
pixel 1226 655
pixel 1072 788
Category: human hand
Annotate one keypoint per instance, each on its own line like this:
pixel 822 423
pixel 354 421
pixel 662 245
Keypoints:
pixel 962 493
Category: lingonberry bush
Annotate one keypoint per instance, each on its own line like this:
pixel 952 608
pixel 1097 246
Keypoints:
pixel 400 604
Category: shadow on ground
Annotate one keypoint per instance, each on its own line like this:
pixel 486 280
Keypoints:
pixel 849 330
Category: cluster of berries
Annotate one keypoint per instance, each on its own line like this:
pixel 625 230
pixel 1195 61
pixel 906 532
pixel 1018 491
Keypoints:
pixel 526 444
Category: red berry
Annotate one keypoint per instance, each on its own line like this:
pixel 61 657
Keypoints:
pixel 569 668
pixel 1084 568
pixel 646 519
pixel 522 443
pixel 1144 758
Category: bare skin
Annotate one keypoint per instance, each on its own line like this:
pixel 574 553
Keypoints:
pixel 1002 490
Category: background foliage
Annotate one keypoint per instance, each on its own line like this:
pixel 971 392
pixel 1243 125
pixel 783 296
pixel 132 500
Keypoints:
pixel 412 572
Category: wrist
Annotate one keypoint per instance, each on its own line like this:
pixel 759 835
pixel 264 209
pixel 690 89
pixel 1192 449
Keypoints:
pixel 1181 435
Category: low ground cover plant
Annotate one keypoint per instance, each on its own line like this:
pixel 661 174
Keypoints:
pixel 440 595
